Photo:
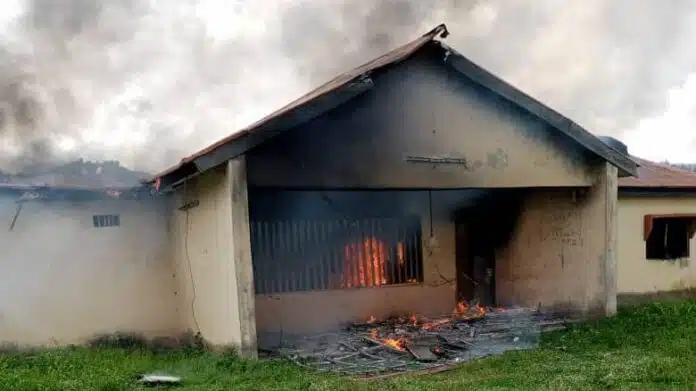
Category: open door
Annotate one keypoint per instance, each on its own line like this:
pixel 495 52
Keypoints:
pixel 475 263
pixel 481 230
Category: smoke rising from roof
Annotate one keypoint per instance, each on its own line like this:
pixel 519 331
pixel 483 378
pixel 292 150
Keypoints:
pixel 146 82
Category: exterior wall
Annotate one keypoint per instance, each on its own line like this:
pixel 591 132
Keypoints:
pixel 637 275
pixel 563 253
pixel 561 256
pixel 212 256
pixel 314 311
pixel 65 280
pixel 421 108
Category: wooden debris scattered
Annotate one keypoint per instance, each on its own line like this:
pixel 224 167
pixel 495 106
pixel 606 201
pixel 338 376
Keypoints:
pixel 377 349
pixel 422 352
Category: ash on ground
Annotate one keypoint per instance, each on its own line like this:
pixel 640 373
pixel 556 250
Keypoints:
pixel 411 344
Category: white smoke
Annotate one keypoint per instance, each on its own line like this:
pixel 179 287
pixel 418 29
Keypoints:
pixel 149 82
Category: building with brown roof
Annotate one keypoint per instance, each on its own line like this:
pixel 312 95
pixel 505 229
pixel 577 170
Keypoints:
pixel 657 216
pixel 399 187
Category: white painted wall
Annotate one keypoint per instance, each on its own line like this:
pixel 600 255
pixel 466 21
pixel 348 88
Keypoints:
pixel 638 275
pixel 63 280
pixel 212 258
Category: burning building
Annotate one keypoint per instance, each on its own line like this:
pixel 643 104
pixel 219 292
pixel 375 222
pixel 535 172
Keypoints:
pixel 403 186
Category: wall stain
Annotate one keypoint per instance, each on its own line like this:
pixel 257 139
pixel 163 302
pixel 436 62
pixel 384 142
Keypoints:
pixel 497 159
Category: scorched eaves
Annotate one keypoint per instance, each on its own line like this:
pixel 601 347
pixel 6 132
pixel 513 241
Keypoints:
pixel 355 82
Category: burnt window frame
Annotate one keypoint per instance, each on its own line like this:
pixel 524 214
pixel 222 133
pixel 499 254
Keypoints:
pixel 668 238
pixel 270 238
pixel 106 220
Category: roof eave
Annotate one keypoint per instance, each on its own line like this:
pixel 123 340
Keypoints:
pixel 267 130
pixel 469 69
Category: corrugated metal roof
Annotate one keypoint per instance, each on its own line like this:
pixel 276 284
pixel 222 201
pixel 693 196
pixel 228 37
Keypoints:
pixel 241 141
pixel 658 175
pixel 339 81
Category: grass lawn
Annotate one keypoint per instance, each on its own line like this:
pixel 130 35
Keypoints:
pixel 644 348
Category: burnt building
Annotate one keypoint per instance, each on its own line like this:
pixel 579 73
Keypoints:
pixel 402 186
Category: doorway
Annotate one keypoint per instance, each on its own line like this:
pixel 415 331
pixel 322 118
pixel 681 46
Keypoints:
pixel 481 231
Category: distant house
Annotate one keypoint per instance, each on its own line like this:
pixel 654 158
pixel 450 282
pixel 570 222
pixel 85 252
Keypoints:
pixel 657 221
pixel 401 186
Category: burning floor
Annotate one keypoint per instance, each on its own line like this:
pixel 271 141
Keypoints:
pixel 416 343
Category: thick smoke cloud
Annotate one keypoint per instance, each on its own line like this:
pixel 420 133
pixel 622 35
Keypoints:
pixel 146 82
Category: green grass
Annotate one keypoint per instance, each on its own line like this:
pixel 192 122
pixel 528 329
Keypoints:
pixel 651 347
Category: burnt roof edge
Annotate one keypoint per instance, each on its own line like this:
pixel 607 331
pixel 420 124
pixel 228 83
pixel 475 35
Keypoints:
pixel 626 166
pixel 188 167
pixel 198 164
pixel 264 132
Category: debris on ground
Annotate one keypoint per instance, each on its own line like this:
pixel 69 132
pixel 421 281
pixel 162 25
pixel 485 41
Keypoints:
pixel 416 343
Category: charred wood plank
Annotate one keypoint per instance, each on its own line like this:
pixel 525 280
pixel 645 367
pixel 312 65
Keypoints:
pixel 384 345
pixel 421 352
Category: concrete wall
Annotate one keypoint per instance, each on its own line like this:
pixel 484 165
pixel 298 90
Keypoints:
pixel 212 258
pixel 421 109
pixel 563 254
pixel 637 275
pixel 313 311
pixel 65 280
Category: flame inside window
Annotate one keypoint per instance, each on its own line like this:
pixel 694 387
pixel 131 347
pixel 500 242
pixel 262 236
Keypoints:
pixel 365 264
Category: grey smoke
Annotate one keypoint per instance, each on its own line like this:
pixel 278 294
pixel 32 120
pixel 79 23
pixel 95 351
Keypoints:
pixel 161 72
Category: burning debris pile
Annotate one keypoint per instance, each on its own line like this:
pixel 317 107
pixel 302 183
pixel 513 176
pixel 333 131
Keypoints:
pixel 416 343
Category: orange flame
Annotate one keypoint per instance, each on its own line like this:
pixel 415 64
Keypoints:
pixel 461 311
pixel 365 264
pixel 401 254
pixel 394 343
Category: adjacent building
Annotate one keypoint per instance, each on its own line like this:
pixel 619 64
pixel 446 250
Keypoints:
pixel 657 221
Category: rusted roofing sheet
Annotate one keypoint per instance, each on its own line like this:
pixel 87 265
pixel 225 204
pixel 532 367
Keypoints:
pixel 342 80
pixel 657 175
pixel 311 103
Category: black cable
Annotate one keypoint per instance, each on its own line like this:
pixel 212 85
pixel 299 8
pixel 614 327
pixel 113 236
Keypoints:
pixel 188 261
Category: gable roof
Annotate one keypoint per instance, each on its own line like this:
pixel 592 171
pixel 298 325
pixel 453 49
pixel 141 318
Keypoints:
pixel 656 176
pixel 357 81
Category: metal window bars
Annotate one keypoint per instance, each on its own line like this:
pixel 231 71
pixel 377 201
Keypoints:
pixel 320 254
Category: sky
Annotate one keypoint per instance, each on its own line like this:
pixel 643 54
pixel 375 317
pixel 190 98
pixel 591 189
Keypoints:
pixel 148 82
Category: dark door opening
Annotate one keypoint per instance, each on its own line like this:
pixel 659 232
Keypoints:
pixel 475 265
pixel 481 230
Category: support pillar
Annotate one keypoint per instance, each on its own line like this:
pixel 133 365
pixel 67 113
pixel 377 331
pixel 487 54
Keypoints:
pixel 241 257
pixel 609 187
